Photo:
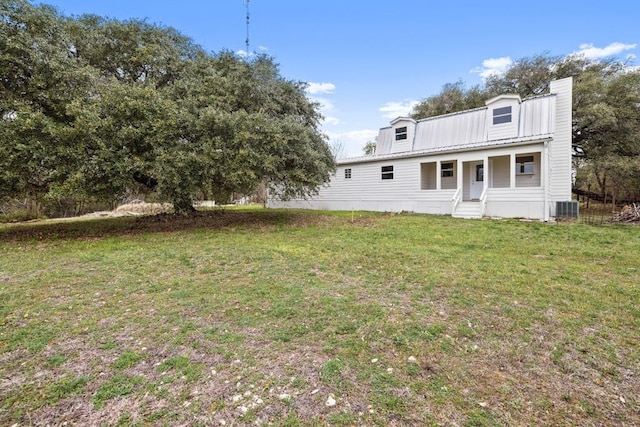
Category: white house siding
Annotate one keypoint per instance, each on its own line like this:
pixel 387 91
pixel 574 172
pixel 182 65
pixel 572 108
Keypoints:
pixel 504 130
pixel 515 203
pixel 366 190
pixel 500 171
pixel 540 127
pixel 560 149
pixel 403 145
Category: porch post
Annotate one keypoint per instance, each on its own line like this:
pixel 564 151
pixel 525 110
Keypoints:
pixel 485 167
pixel 459 174
pixel 512 171
pixel 438 175
pixel 544 169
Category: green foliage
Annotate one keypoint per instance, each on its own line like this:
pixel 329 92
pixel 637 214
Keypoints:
pixel 103 108
pixel 57 360
pixel 65 388
pixel 117 386
pixel 452 98
pixel 181 366
pixel 127 359
pixel 331 372
pixel 369 148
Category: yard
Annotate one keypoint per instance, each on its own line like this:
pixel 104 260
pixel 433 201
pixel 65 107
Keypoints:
pixel 294 318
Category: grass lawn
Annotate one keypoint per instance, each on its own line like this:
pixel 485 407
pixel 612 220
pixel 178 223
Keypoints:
pixel 312 318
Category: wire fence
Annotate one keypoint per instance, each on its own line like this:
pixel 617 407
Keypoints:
pixel 596 212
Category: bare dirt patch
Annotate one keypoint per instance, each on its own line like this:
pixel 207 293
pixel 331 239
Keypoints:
pixel 113 225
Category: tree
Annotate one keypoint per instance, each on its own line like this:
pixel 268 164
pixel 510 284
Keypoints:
pixel 452 98
pixel 98 107
pixel 369 148
pixel 39 79
pixel 244 124
pixel 607 128
pixel 338 149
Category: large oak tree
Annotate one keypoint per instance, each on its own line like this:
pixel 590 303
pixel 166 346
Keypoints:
pixel 98 107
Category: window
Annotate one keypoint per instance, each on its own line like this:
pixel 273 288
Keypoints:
pixel 347 173
pixel 524 165
pixel 480 173
pixel 446 169
pixel 387 172
pixel 502 115
pixel 401 133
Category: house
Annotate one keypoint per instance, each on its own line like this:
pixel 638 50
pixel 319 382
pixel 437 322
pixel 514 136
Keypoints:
pixel 511 158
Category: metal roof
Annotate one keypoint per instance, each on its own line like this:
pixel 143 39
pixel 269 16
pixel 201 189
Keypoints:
pixel 534 116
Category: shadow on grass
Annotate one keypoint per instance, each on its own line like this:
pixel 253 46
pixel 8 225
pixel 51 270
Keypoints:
pixel 161 223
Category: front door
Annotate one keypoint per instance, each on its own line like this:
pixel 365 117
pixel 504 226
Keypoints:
pixel 477 180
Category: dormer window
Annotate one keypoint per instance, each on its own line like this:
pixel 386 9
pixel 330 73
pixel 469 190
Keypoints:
pixel 501 115
pixel 401 133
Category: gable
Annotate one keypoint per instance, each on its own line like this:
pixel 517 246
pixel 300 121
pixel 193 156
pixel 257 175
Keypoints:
pixel 503 113
pixel 403 134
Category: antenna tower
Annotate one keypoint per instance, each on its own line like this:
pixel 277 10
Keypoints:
pixel 246 5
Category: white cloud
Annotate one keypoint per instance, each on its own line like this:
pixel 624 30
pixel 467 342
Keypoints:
pixel 493 67
pixel 395 109
pixel 589 51
pixel 328 120
pixel 326 105
pixel 320 88
pixel 244 54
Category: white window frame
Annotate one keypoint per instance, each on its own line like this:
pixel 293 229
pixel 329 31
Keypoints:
pixel 502 115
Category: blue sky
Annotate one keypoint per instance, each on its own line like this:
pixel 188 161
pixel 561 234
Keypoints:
pixel 367 62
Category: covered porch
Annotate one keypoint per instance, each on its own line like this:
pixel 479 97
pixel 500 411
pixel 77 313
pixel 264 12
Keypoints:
pixel 481 182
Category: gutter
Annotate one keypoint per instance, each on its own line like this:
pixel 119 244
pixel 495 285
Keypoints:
pixel 449 149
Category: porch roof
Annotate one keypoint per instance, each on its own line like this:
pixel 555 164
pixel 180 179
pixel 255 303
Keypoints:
pixel 449 149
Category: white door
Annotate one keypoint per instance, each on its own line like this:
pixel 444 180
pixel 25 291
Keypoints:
pixel 477 180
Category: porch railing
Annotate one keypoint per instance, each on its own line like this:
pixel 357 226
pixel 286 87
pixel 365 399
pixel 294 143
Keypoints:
pixel 455 201
pixel 483 201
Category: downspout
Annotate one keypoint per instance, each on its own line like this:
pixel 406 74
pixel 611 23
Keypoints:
pixel 545 179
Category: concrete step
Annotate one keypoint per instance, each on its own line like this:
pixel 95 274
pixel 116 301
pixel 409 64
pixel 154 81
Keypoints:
pixel 467 210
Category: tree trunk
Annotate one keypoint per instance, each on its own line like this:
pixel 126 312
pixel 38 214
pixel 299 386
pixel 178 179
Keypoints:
pixel 184 206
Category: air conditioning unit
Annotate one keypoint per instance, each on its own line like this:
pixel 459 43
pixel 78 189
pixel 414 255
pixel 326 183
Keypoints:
pixel 569 209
